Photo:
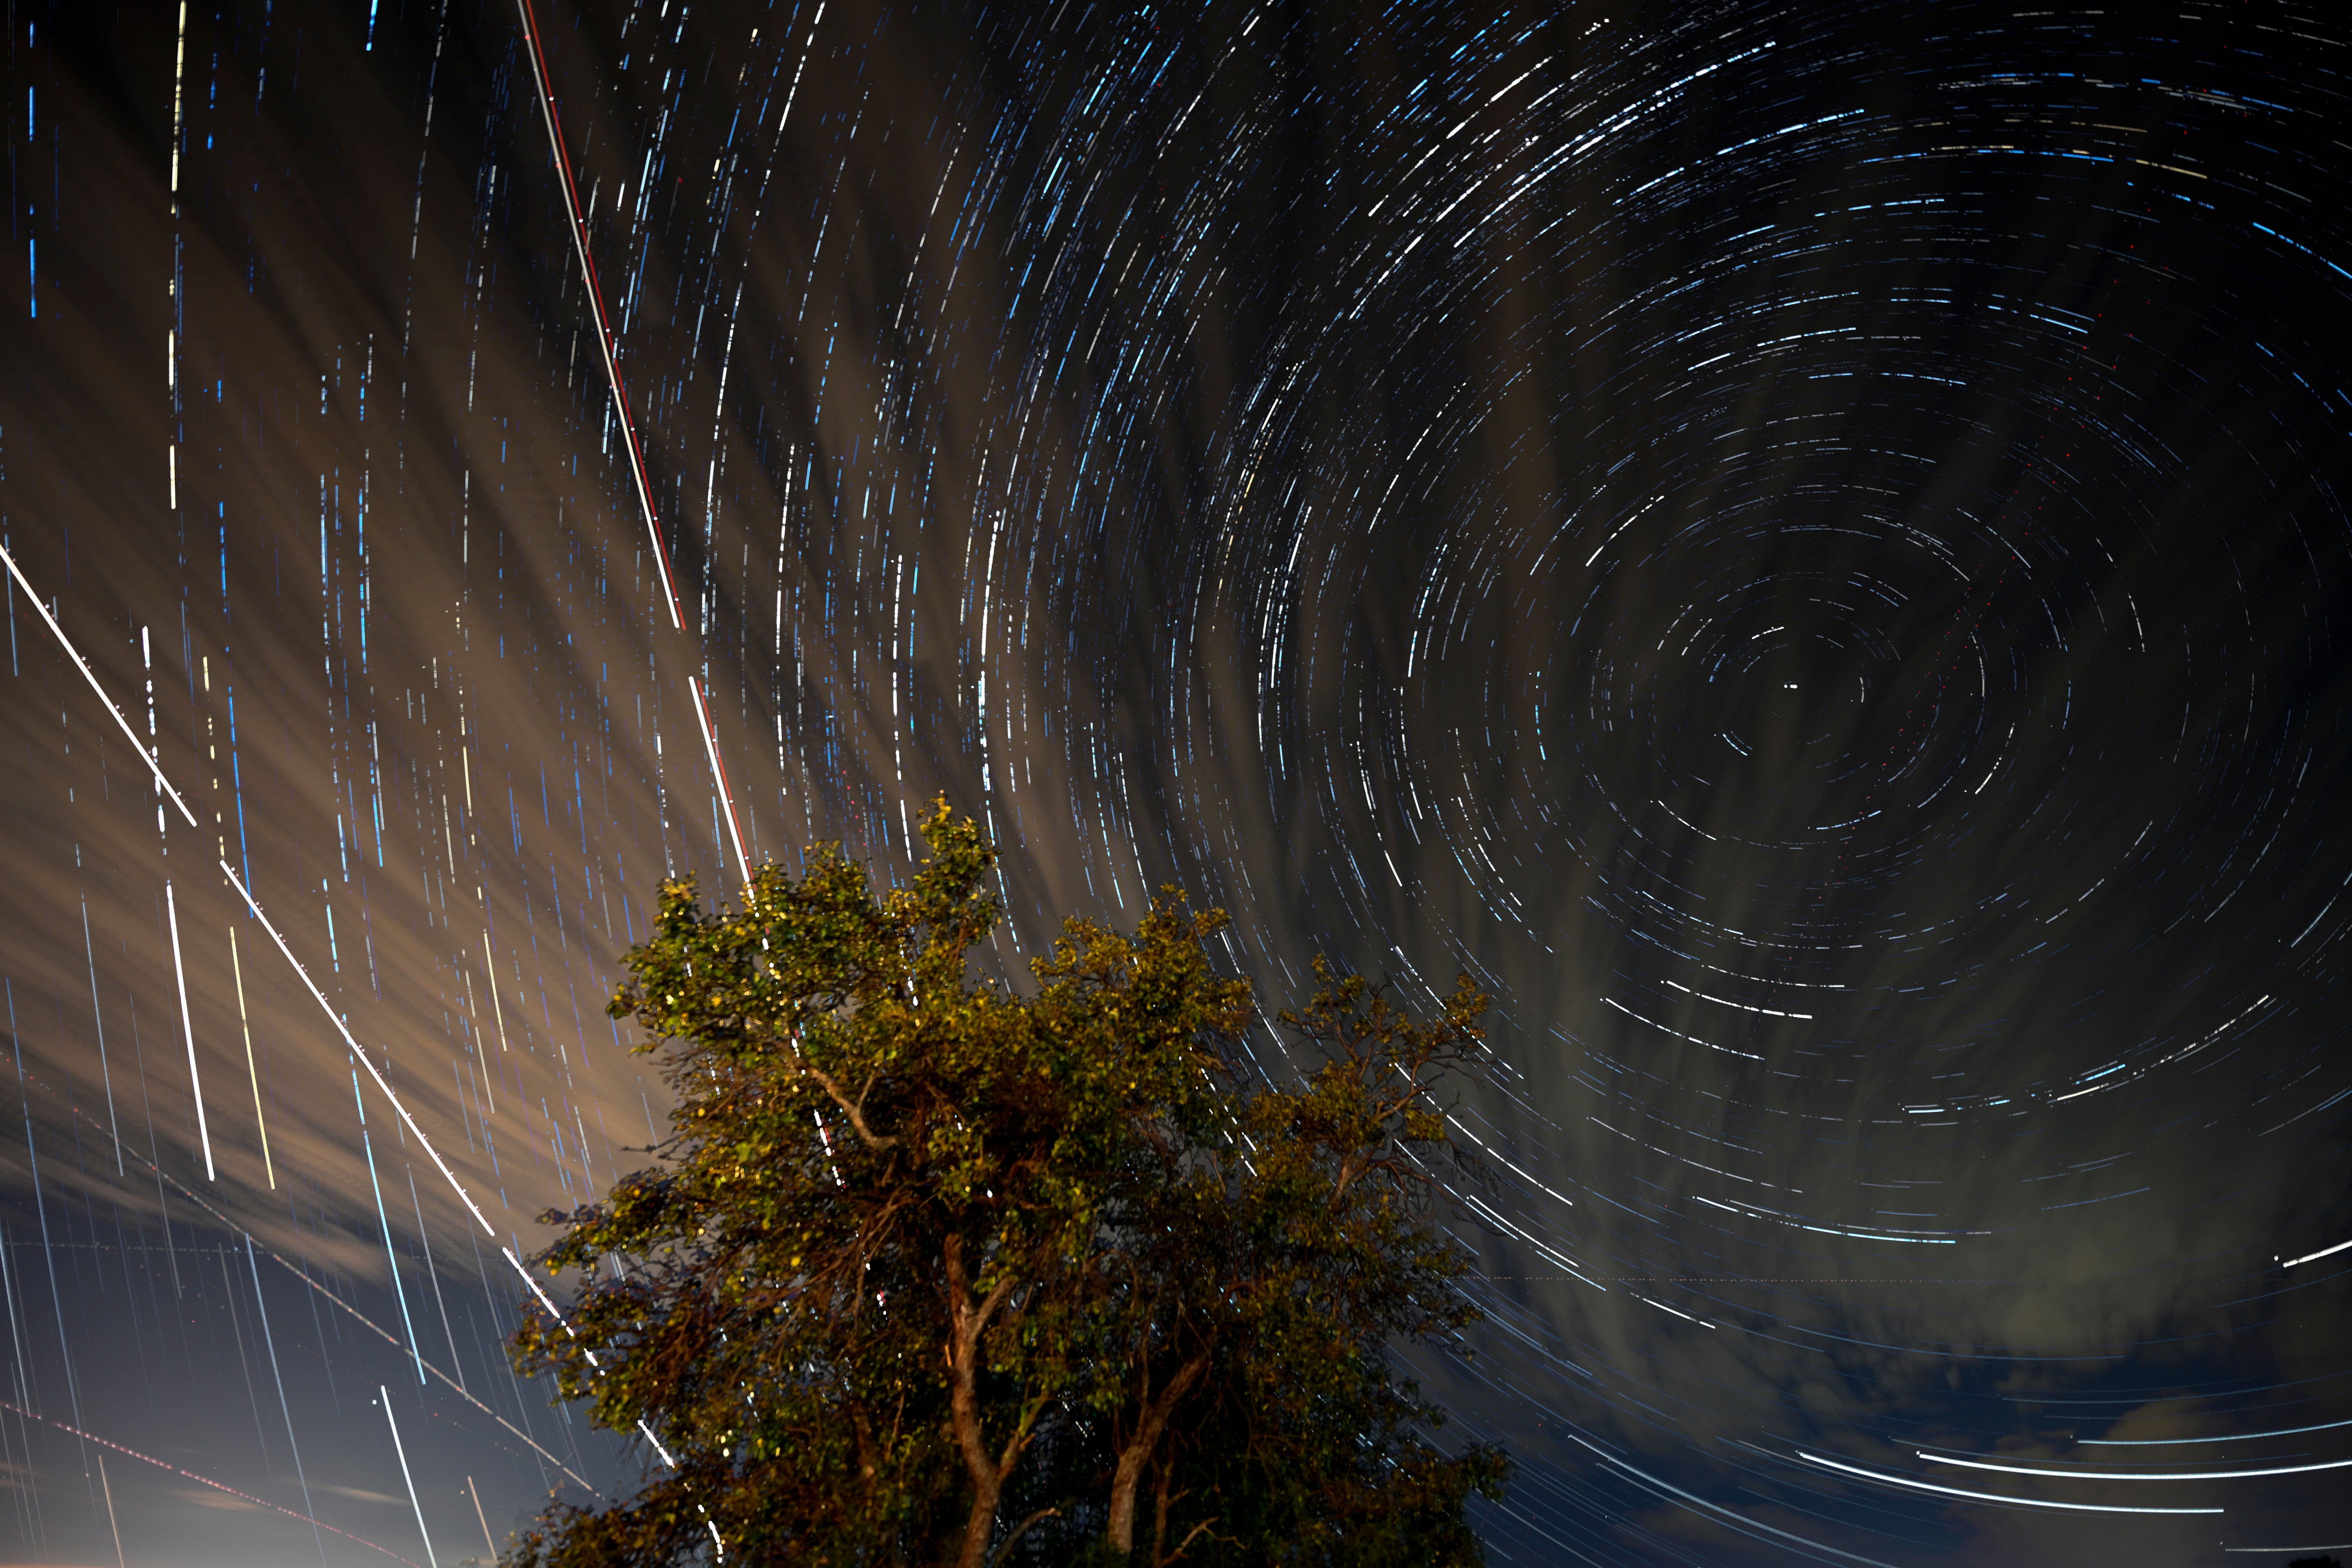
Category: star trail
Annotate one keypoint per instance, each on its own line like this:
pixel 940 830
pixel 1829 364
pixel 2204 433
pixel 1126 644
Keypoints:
pixel 1801 547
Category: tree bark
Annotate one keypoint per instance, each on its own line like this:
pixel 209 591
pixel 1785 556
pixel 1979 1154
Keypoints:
pixel 968 1319
pixel 1129 1475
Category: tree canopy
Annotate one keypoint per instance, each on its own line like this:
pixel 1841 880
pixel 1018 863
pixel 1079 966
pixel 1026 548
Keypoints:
pixel 934 1271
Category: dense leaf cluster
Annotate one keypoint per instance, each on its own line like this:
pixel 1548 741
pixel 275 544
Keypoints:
pixel 934 1272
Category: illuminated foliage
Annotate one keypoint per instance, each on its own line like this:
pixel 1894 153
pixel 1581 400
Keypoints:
pixel 934 1272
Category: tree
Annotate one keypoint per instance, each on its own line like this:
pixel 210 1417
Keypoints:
pixel 930 1272
pixel 1258 1278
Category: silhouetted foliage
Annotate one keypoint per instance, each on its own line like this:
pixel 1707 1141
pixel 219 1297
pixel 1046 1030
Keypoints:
pixel 934 1272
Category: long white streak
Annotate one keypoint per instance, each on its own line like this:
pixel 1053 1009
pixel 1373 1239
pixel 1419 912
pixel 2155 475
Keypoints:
pixel 719 774
pixel 476 1495
pixel 109 1486
pixel 179 969
pixel 391 1258
pixel 106 1074
pixel 385 1396
pixel 2323 1252
pixel 179 116
pixel 553 1311
pixel 79 663
pixel 2233 1437
pixel 708 1523
pixel 497 1008
pixel 236 966
pixel 1737 1521
pixel 1992 1496
pixel 324 1006
pixel 433 1275
pixel 2132 1474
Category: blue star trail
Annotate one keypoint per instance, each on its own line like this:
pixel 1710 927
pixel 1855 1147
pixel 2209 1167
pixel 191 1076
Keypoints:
pixel 1804 548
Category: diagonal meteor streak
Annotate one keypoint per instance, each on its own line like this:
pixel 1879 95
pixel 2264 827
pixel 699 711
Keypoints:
pixel 362 1057
pixel 83 665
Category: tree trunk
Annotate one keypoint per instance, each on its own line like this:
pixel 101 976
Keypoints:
pixel 967 1320
pixel 987 1485
pixel 1160 1518
pixel 1137 1454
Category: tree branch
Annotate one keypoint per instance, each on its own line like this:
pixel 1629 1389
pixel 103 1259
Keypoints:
pixel 1005 1545
pixel 856 1117
pixel 1190 1536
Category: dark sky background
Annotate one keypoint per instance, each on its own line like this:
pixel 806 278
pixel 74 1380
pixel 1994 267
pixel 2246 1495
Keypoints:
pixel 1802 546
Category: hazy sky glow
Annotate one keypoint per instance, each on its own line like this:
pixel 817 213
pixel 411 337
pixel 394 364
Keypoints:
pixel 1805 547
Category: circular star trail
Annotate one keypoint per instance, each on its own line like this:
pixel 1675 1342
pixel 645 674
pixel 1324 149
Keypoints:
pixel 1805 549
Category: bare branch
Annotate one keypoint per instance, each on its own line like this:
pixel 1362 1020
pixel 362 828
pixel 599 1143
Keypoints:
pixel 1006 1544
pixel 856 1116
pixel 1190 1536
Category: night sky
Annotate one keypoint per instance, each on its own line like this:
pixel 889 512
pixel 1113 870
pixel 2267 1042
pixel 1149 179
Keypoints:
pixel 1805 547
